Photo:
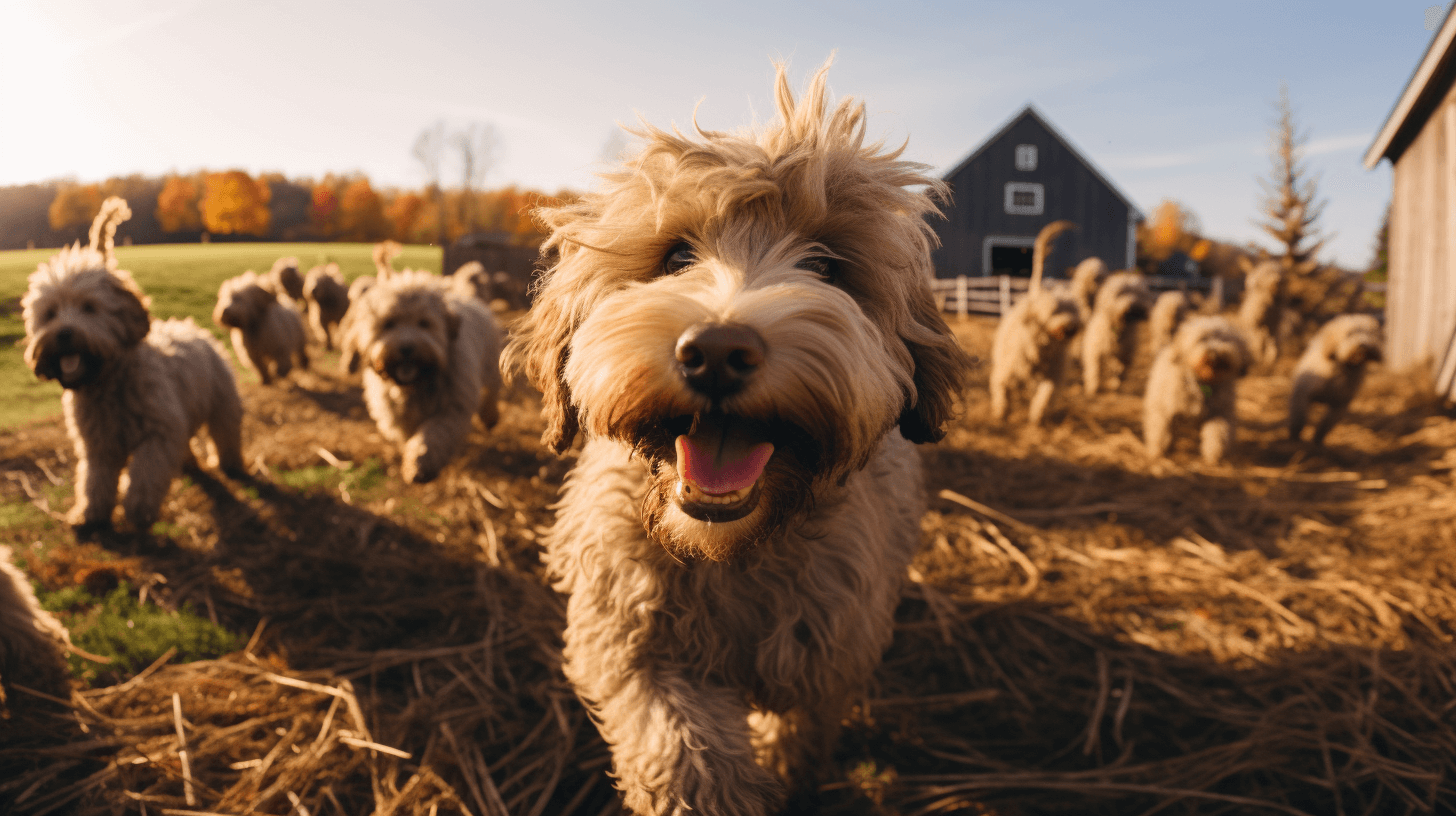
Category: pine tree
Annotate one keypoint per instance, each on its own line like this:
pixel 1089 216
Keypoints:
pixel 1289 206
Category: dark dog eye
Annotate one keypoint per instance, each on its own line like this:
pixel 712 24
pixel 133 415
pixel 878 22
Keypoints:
pixel 424 324
pixel 388 324
pixel 681 256
pixel 50 314
pixel 823 266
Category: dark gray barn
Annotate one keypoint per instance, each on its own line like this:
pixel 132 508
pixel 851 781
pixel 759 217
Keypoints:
pixel 1018 181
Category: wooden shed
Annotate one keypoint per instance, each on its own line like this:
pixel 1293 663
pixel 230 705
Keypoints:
pixel 1022 178
pixel 1419 138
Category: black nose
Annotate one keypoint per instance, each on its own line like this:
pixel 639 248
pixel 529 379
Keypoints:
pixel 65 336
pixel 716 359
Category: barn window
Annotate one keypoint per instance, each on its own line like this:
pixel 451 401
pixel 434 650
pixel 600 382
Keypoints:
pixel 1026 157
pixel 1024 198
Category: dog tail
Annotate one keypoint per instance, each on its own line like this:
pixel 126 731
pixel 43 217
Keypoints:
pixel 1042 246
pixel 103 229
pixel 384 254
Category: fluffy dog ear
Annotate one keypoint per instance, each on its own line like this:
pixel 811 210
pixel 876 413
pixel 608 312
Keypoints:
pixel 941 366
pixel 131 307
pixel 539 344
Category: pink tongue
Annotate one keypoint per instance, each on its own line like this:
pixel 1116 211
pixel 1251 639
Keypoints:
pixel 718 476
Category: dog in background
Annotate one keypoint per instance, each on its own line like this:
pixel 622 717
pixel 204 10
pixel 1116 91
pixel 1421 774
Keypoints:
pixel 1195 379
pixel 136 390
pixel 1087 278
pixel 1331 370
pixel 267 336
pixel 1111 338
pixel 431 361
pixel 1169 310
pixel 742 326
pixel 284 280
pixel 328 300
pixel 1261 311
pixel 1032 338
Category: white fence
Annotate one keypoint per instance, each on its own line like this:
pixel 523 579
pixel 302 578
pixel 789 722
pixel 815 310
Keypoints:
pixel 995 294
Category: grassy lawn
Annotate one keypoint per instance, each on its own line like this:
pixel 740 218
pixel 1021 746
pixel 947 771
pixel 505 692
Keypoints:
pixel 182 280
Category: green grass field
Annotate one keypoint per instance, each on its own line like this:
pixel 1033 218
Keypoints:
pixel 182 280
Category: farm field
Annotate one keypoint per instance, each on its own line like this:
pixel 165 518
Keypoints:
pixel 1082 632
pixel 182 281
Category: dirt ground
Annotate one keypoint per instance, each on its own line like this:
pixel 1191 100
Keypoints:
pixel 1084 631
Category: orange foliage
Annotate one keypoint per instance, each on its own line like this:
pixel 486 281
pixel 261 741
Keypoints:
pixel 75 205
pixel 403 214
pixel 1171 229
pixel 235 203
pixel 177 206
pixel 323 213
pixel 361 213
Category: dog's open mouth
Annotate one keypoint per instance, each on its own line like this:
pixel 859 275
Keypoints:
pixel 407 370
pixel 720 465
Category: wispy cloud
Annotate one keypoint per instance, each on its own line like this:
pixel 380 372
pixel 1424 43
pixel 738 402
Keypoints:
pixel 1338 144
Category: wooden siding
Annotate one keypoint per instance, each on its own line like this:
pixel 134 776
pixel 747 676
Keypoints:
pixel 1421 297
pixel 1073 191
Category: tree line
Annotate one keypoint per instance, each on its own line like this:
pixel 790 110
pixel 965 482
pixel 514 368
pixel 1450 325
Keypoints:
pixel 238 206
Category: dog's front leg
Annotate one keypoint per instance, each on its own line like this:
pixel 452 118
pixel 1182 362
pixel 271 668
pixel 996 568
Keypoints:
pixel 96 480
pixel 1041 399
pixel 678 747
pixel 153 465
pixel 432 446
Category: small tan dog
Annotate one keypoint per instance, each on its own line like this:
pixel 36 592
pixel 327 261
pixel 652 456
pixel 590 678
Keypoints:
pixel 136 390
pixel 1111 338
pixel 1331 370
pixel 1261 310
pixel 267 335
pixel 473 281
pixel 1087 278
pixel 742 326
pixel 1169 310
pixel 1033 337
pixel 1194 379
pixel 431 362
pixel 328 300
pixel 285 281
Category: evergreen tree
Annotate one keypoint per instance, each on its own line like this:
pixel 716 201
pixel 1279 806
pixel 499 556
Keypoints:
pixel 1290 208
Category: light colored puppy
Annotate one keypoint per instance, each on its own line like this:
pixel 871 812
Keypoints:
pixel 1194 379
pixel 742 326
pixel 1168 311
pixel 285 281
pixel 472 280
pixel 267 335
pixel 32 641
pixel 1331 369
pixel 1087 278
pixel 1032 339
pixel 431 361
pixel 328 300
pixel 136 390
pixel 1111 337
pixel 1261 310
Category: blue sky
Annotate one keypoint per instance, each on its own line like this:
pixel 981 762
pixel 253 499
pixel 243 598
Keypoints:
pixel 1170 100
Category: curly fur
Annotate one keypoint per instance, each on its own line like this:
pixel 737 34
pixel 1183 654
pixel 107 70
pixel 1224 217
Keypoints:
pixel 32 642
pixel 1032 338
pixel 328 300
pixel 1111 338
pixel 1194 379
pixel 136 390
pixel 717 657
pixel 1261 311
pixel 267 335
pixel 285 281
pixel 1087 278
pixel 1330 371
pixel 431 362
pixel 1168 311
pixel 472 280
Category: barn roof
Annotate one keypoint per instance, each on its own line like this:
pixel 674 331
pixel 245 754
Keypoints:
pixel 1422 95
pixel 1031 112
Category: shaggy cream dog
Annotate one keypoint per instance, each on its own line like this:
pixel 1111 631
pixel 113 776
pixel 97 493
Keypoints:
pixel 1111 338
pixel 285 280
pixel 1032 339
pixel 472 280
pixel 328 300
pixel 431 361
pixel 267 336
pixel 136 390
pixel 32 641
pixel 742 326
pixel 1087 278
pixel 1331 369
pixel 1261 311
pixel 1194 379
pixel 1168 311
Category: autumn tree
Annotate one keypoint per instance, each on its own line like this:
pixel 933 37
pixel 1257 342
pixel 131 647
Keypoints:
pixel 478 146
pixel 429 151
pixel 234 203
pixel 403 214
pixel 323 210
pixel 1172 228
pixel 73 208
pixel 1290 209
pixel 177 206
pixel 361 213
pixel 289 203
